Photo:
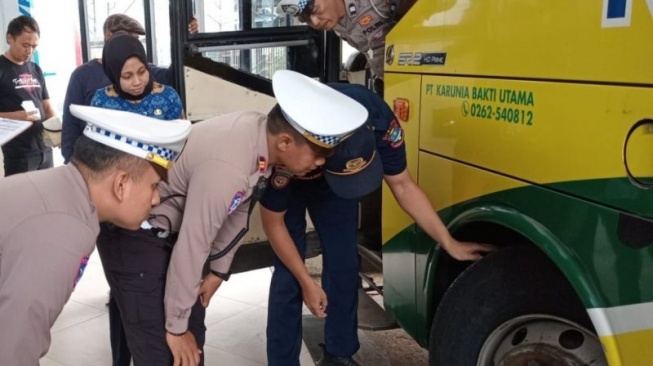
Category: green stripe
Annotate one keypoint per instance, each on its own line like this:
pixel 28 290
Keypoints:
pixel 580 236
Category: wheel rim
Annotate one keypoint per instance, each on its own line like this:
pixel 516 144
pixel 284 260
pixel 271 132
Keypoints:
pixel 541 340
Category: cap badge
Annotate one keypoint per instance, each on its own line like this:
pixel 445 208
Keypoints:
pixel 354 165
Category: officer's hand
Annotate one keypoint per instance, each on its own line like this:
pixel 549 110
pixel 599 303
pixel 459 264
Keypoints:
pixel 467 250
pixel 184 349
pixel 193 26
pixel 22 115
pixel 208 287
pixel 315 299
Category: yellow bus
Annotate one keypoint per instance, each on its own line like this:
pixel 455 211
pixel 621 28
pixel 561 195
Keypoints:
pixel 530 126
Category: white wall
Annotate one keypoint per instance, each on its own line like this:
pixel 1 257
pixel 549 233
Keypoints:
pixel 8 11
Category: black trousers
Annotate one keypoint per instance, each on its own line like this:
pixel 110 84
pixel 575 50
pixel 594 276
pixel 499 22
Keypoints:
pixel 37 160
pixel 135 265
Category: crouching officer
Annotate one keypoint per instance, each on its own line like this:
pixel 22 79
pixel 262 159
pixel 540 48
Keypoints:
pixel 49 219
pixel 206 204
pixel 358 166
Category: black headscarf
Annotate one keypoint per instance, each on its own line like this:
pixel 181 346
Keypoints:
pixel 115 53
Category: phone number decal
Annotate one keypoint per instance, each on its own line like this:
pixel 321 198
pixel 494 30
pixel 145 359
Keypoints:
pixel 510 115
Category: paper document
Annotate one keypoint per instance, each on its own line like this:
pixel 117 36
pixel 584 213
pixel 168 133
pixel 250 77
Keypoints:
pixel 10 128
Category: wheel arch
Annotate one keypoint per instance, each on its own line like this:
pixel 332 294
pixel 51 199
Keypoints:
pixel 496 224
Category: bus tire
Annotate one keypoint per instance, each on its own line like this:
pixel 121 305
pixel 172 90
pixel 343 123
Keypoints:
pixel 500 308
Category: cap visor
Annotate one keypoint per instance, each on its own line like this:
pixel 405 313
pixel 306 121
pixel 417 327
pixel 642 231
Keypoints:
pixel 359 184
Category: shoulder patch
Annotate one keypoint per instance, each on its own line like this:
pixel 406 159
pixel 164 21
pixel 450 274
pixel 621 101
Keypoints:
pixel 395 134
pixel 281 178
pixel 235 202
pixel 83 262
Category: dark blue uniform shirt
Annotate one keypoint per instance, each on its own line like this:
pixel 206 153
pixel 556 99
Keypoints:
pixel 389 144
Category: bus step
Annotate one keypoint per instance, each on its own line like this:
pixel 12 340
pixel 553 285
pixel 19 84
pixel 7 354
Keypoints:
pixel 371 316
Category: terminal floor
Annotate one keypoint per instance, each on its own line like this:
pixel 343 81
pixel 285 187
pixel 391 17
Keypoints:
pixel 235 321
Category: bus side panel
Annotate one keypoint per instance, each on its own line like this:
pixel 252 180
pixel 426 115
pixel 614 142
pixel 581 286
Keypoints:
pixel 544 133
pixel 563 40
pixel 397 230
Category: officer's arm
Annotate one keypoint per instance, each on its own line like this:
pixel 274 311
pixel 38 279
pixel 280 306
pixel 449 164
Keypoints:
pixel 284 247
pixel 377 60
pixel 414 201
pixel 210 191
pixel 47 108
pixel 37 279
pixel 376 39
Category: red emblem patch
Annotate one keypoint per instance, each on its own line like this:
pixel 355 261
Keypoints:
pixel 395 134
pixel 363 21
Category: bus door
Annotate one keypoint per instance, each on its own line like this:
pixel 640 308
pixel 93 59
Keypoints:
pixel 228 65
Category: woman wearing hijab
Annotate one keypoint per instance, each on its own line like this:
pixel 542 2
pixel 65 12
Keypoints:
pixel 133 88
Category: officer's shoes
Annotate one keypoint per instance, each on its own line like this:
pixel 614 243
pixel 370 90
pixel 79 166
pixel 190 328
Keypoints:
pixel 332 360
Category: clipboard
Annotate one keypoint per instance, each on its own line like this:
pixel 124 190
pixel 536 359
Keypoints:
pixel 10 128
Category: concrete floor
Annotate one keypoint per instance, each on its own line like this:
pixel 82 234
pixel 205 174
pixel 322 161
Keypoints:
pixel 235 321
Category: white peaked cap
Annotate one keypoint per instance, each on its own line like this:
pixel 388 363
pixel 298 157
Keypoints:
pixel 149 138
pixel 321 114
pixel 292 7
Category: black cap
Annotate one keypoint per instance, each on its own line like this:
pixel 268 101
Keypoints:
pixel 355 169
pixel 122 22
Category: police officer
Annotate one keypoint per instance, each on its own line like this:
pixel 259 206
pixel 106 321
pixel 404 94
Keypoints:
pixel 49 219
pixel 373 153
pixel 205 203
pixel 361 23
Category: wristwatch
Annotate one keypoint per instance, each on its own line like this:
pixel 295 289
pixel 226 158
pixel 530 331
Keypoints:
pixel 224 276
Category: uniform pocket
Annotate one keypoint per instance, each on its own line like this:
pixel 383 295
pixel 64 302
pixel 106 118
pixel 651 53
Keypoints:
pixel 140 297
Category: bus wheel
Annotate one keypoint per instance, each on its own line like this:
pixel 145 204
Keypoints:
pixel 514 307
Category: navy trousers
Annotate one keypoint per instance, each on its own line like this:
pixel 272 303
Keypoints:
pixel 135 264
pixel 336 222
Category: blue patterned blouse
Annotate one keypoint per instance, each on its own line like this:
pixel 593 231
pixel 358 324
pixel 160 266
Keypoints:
pixel 163 103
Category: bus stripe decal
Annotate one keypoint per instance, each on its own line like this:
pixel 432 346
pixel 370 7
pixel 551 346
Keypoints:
pixel 622 319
